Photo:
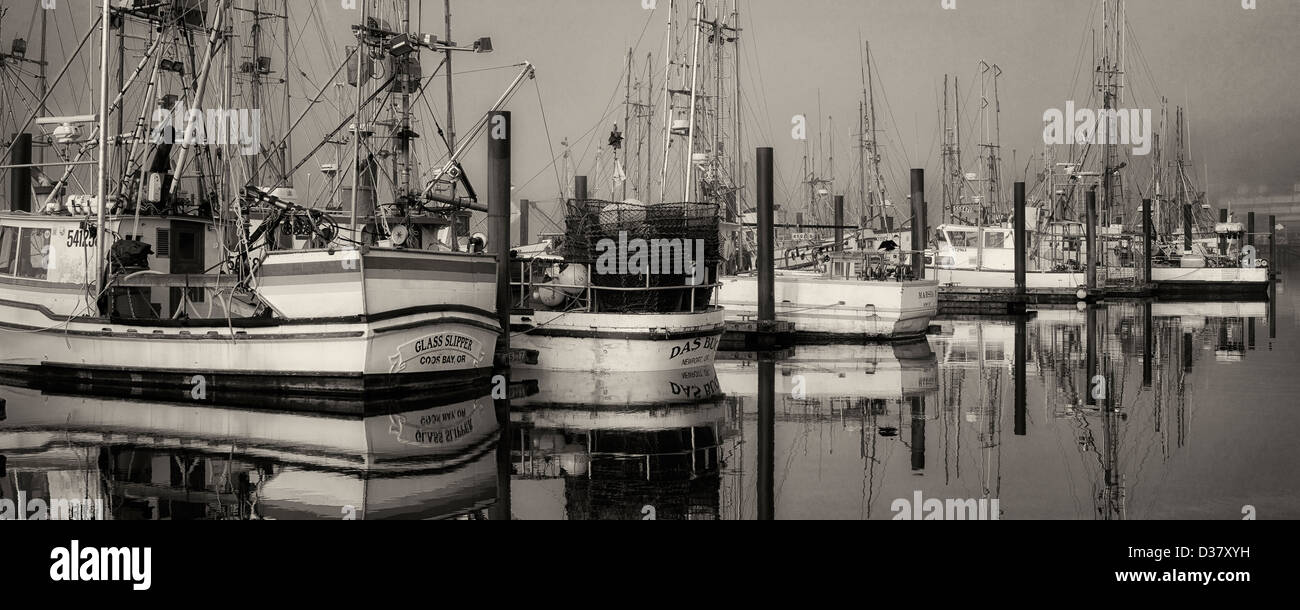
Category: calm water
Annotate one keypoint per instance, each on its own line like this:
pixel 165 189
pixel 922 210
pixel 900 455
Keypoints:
pixel 1206 431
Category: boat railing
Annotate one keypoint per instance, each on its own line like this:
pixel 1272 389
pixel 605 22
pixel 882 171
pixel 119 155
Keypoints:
pixel 555 284
pixel 895 266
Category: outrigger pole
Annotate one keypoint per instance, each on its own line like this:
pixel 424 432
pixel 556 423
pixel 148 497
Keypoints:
pixel 102 181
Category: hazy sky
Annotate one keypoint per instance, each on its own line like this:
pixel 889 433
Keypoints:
pixel 1235 69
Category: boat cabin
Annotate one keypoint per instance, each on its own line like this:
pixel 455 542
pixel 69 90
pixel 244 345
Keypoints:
pixel 882 266
pixel 968 247
pixel 44 261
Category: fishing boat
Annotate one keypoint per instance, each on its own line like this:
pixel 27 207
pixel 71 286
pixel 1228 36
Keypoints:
pixel 1194 256
pixel 631 288
pixel 190 268
pixel 983 257
pixel 859 296
pixel 843 293
pixel 974 250
pixel 631 285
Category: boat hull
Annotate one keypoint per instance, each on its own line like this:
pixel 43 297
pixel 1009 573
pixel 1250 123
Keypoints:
pixel 972 278
pixel 610 342
pixel 1210 280
pixel 207 361
pixel 1165 280
pixel 821 308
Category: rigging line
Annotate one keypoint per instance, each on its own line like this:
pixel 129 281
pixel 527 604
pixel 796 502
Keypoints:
pixel 1142 56
pixel 550 143
pixel 610 109
pixel 554 160
pixel 758 62
pixel 547 217
pixel 888 106
pixel 308 157
pixel 623 73
pixel 1083 45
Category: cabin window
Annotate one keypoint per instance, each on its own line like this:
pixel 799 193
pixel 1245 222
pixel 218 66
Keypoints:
pixel 963 353
pixel 996 239
pixel 963 239
pixel 8 246
pixel 34 253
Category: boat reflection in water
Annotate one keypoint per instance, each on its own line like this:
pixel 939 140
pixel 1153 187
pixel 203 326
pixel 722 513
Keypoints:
pixel 831 418
pixel 618 446
pixel 150 460
pixel 1114 411
pixel 1126 410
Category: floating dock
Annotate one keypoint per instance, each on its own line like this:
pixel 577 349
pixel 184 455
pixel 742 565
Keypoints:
pixel 996 301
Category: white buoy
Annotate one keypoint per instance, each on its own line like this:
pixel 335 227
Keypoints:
pixel 574 275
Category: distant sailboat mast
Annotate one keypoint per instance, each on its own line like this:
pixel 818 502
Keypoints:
pixel 877 182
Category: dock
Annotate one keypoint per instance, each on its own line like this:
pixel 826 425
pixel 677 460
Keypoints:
pixel 996 301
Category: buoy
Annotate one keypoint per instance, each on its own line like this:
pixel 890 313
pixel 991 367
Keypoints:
pixel 574 275
pixel 1082 293
pixel 550 297
pixel 619 215
pixel 573 279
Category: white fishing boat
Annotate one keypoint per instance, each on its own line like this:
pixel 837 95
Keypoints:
pixel 1202 268
pixel 177 273
pixel 865 284
pixel 581 310
pixel 335 322
pixel 859 296
pixel 983 257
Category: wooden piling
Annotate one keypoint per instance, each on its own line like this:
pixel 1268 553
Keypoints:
pixel 498 199
pixel 766 240
pixel 919 221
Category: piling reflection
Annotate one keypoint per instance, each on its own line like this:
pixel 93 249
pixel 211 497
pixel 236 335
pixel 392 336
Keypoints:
pixel 150 460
